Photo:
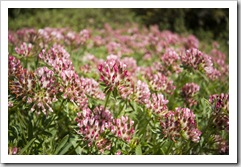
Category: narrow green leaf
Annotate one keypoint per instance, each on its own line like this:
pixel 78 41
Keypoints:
pixel 78 150
pixel 65 149
pixel 27 146
pixel 138 150
pixel 61 144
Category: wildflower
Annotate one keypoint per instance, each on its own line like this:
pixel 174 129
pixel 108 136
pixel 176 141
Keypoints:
pixel 171 59
pixel 158 104
pixel 84 36
pixel 222 144
pixel 14 66
pixel 220 106
pixel 188 91
pixel 92 124
pixel 72 89
pixel 131 65
pixel 45 95
pixel 193 58
pixel 159 82
pixel 113 72
pixel 22 84
pixel 123 128
pixel 118 152
pixel 58 58
pixel 191 42
pixel 180 123
pixel 142 93
pixel 24 49
pixel 103 144
pixel 91 88
pixel 13 150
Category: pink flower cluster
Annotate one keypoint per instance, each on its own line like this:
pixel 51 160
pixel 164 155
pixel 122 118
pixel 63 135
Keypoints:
pixel 199 61
pixel 222 144
pixel 113 72
pixel 24 49
pixel 220 106
pixel 21 82
pixel 172 60
pixel 159 82
pixel 94 123
pixel 188 91
pixel 180 123
pixel 46 95
pixel 158 104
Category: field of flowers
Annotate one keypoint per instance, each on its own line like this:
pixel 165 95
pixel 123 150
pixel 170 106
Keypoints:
pixel 118 91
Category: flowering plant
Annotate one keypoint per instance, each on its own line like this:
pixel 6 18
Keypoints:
pixel 119 91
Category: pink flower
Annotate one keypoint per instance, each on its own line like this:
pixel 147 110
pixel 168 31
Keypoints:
pixel 46 92
pixel 159 82
pixel 142 93
pixel 171 59
pixel 181 123
pixel 24 49
pixel 191 42
pixel 220 106
pixel 113 72
pixel 91 88
pixel 222 144
pixel 118 152
pixel 84 36
pixel 58 58
pixel 158 104
pixel 92 124
pixel 123 128
pixel 188 91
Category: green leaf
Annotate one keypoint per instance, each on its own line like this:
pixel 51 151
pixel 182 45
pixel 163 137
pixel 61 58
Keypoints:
pixel 78 149
pixel 27 146
pixel 138 150
pixel 65 149
pixel 61 144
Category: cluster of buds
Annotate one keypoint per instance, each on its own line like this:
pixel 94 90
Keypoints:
pixel 188 92
pixel 171 59
pixel 84 36
pixel 158 104
pixel 191 42
pixel 103 144
pixel 72 88
pixel 49 34
pixel 58 58
pixel 196 59
pixel 123 128
pixel 91 88
pixel 131 65
pixel 24 49
pixel 46 94
pixel 113 72
pixel 199 61
pixel 38 88
pixel 22 85
pixel 14 66
pixel 27 35
pixel 159 82
pixel 93 124
pixel 142 93
pixel 220 107
pixel 180 123
pixel 221 144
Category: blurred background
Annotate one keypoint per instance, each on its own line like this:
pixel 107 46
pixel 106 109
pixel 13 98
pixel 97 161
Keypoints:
pixel 207 24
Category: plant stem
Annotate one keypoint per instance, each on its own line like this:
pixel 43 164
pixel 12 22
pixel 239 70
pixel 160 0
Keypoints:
pixel 107 99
